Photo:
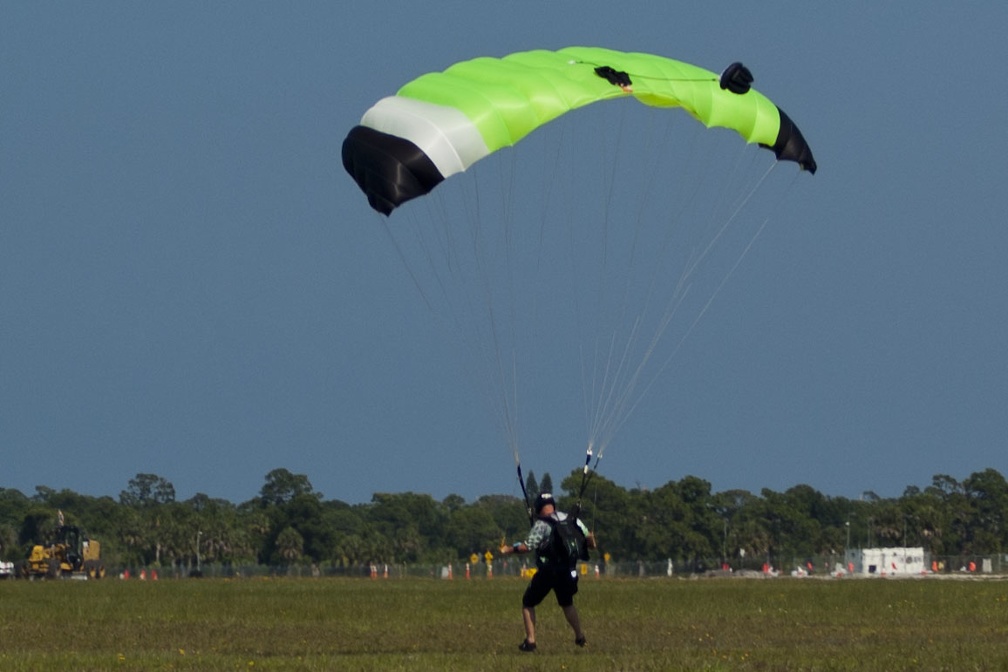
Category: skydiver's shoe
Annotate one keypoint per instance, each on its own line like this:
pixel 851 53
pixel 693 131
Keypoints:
pixel 581 641
pixel 527 647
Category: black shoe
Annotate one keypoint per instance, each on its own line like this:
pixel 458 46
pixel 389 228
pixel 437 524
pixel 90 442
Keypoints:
pixel 526 647
pixel 581 641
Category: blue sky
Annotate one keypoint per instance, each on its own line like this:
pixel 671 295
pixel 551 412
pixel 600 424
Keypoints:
pixel 190 285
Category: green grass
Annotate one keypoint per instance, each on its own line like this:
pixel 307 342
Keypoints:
pixel 424 624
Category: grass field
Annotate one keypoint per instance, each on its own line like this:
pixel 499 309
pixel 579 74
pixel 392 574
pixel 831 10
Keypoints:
pixel 425 624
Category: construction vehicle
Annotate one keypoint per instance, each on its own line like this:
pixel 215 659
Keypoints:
pixel 71 555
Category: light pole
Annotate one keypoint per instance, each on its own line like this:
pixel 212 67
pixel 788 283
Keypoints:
pixel 724 543
pixel 199 565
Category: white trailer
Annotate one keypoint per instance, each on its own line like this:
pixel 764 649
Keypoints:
pixel 899 561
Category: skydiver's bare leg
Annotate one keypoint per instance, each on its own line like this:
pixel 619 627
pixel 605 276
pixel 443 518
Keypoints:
pixel 571 614
pixel 529 617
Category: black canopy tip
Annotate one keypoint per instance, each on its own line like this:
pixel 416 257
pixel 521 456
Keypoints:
pixel 389 170
pixel 791 144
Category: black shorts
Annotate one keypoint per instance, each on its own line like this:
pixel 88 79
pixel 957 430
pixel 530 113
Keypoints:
pixel 562 583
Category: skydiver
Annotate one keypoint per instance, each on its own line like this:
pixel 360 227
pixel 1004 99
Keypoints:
pixel 551 574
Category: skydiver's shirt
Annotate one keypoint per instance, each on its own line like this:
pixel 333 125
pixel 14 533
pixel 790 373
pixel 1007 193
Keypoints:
pixel 541 531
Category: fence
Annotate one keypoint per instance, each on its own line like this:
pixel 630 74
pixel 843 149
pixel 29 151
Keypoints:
pixel 986 565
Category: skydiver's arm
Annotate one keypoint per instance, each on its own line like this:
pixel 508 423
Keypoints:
pixel 540 530
pixel 518 547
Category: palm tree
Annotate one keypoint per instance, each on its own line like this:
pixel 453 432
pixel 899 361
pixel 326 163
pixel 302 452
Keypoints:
pixel 290 545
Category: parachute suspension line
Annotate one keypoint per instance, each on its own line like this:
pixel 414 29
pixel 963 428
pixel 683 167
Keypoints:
pixel 449 251
pixel 724 281
pixel 624 379
pixel 741 256
pixel 623 409
pixel 521 480
pixel 461 256
pixel 508 199
pixel 601 390
pixel 504 302
pixel 439 253
pixel 507 387
pixel 624 386
pixel 503 355
pixel 728 220
pixel 451 248
pixel 514 275
pixel 405 263
pixel 607 397
pixel 616 388
pixel 500 386
pixel 553 169
pixel 612 394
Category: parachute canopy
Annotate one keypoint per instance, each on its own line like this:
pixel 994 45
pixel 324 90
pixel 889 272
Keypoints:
pixel 441 123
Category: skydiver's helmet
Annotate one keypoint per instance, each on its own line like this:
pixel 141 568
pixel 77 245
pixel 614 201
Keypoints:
pixel 542 500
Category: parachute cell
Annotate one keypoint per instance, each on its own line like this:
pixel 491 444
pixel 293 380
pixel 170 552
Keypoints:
pixel 441 123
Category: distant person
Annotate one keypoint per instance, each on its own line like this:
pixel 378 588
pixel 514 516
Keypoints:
pixel 558 541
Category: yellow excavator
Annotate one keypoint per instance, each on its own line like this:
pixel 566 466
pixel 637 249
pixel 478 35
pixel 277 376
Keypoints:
pixel 71 555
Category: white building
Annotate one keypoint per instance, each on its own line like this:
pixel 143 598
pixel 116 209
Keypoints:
pixel 886 561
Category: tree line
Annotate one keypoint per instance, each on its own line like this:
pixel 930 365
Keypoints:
pixel 290 523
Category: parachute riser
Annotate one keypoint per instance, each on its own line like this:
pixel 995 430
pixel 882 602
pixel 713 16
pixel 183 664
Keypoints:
pixel 586 475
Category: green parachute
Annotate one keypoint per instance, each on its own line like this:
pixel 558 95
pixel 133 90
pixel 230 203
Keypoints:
pixel 441 123
pixel 583 258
